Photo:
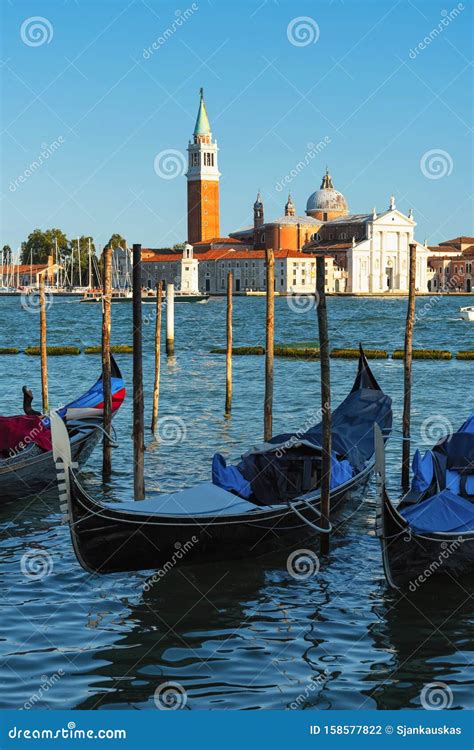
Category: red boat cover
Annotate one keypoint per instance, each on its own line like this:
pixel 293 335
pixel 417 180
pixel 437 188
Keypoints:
pixel 16 433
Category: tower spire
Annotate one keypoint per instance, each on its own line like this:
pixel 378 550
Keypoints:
pixel 202 127
pixel 258 219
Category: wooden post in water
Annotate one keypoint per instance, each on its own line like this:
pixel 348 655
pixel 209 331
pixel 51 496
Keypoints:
pixel 138 406
pixel 156 387
pixel 325 399
pixel 43 346
pixel 408 359
pixel 269 346
pixel 228 374
pixel 170 320
pixel 106 366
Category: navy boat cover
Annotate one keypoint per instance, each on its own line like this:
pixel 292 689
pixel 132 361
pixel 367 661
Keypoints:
pixel 268 468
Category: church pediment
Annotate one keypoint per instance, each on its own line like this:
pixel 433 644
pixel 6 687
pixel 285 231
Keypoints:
pixel 394 216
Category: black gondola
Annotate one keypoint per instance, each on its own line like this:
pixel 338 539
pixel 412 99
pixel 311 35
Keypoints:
pixel 431 531
pixel 207 522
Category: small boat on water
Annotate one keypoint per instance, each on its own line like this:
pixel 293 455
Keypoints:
pixel 431 531
pixel 270 501
pixel 26 457
pixel 147 297
pixel 179 296
pixel 118 295
pixel 467 313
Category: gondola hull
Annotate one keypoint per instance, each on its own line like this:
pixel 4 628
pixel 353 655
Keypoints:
pixel 36 475
pixel 107 539
pixel 215 521
pixel 411 559
pixel 29 472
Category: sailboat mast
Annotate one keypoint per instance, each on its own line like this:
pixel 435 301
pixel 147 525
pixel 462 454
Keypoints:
pixel 90 266
pixel 79 261
pixel 56 260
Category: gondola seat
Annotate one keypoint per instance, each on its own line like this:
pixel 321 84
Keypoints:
pixel 202 499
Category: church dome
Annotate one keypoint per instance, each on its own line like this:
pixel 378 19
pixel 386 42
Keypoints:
pixel 327 199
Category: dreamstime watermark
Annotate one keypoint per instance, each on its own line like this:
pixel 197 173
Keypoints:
pixel 311 419
pixel 447 550
pixel 170 696
pixel 451 285
pixel 436 164
pixel 171 430
pixel 312 687
pixel 47 150
pixel 435 428
pixel 46 684
pixel 302 303
pixel 447 17
pixel 436 696
pixel 30 301
pixel 302 31
pixel 36 31
pixel 29 438
pixel 302 564
pixel 71 732
pixel 36 564
pixel 181 550
pixel 170 163
pixel 313 150
pixel 181 18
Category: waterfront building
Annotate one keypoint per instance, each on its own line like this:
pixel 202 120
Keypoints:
pixel 21 275
pixel 294 271
pixel 370 250
pixel 452 264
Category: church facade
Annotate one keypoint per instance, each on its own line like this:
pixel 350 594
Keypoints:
pixel 365 253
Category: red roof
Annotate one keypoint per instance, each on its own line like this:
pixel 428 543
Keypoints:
pixel 228 254
pixel 219 241
pixel 24 268
pixel 329 245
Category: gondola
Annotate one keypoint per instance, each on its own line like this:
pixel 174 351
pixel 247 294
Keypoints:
pixel 431 531
pixel 26 457
pixel 269 501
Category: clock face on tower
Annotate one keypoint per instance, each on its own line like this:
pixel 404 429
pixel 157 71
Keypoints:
pixel 203 181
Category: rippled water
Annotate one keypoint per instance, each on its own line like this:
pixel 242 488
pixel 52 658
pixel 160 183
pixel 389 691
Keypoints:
pixel 235 635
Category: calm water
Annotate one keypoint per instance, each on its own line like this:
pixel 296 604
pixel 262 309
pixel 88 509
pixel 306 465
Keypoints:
pixel 236 635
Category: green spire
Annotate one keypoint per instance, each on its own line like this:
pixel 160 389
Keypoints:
pixel 202 122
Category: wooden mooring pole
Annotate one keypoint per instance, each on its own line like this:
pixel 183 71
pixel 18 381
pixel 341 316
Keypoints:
pixel 170 320
pixel 43 345
pixel 325 400
pixel 228 374
pixel 156 387
pixel 106 366
pixel 269 346
pixel 138 405
pixel 408 359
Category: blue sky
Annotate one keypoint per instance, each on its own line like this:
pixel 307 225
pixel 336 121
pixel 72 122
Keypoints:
pixel 397 118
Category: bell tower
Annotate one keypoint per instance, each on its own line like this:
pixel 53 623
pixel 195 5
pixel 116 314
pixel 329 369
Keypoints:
pixel 203 180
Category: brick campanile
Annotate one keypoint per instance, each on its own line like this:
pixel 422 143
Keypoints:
pixel 203 181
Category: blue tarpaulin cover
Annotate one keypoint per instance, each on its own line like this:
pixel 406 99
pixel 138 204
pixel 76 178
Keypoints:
pixel 422 471
pixel 442 512
pixel 229 477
